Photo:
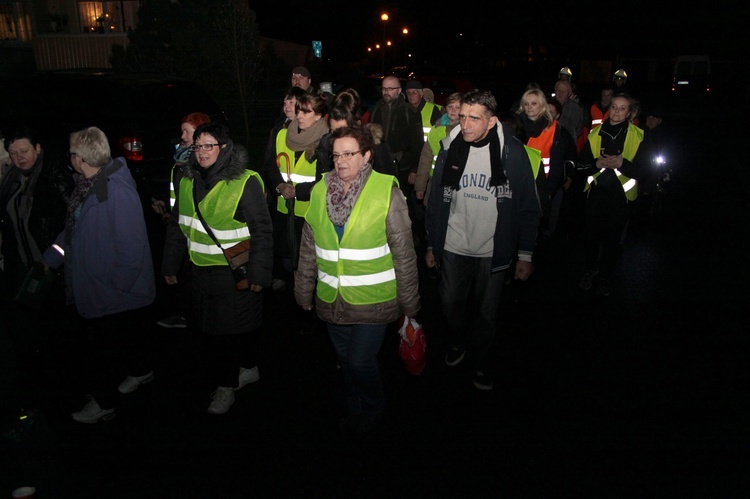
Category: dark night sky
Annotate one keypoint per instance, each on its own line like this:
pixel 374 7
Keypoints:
pixel 581 29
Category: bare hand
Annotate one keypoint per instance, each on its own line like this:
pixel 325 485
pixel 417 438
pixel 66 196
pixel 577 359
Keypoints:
pixel 429 259
pixel 611 162
pixel 170 279
pixel 420 195
pixel 523 270
pixel 256 288
pixel 287 191
pixel 412 178
pixel 159 206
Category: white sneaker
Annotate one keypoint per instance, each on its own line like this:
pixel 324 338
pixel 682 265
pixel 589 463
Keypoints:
pixel 223 398
pixel 92 413
pixel 248 376
pixel 131 383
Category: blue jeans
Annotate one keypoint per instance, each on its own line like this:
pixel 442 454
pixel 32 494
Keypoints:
pixel 470 298
pixel 357 347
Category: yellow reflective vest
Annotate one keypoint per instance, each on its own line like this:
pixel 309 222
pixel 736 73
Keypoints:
pixel 218 208
pixel 535 158
pixel 632 140
pixel 436 134
pixel 299 172
pixel 426 114
pixel 360 265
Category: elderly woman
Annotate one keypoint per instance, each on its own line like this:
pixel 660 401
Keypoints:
pixel 34 194
pixel 357 257
pixel 109 273
pixel 220 205
pixel 555 149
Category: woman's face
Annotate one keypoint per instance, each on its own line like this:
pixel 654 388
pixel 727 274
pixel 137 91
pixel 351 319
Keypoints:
pixel 453 109
pixel 206 159
pixel 532 107
pixel 289 107
pixel 24 153
pixel 306 117
pixel 187 134
pixel 348 159
pixel 619 110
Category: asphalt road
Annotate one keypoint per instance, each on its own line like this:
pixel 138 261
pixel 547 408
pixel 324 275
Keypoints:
pixel 641 394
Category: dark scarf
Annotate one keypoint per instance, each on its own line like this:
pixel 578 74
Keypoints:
pixel 458 154
pixel 339 202
pixel 80 192
pixel 533 128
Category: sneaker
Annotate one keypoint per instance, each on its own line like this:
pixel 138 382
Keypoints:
pixel 92 413
pixel 481 381
pixel 131 383
pixel 173 321
pixel 602 289
pixel 454 356
pixel 247 376
pixel 223 398
pixel 587 279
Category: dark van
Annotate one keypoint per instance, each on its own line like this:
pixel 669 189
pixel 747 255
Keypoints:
pixel 140 114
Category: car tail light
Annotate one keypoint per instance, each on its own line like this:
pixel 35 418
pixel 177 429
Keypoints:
pixel 131 148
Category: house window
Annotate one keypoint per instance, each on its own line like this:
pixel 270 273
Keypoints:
pixel 15 23
pixel 105 17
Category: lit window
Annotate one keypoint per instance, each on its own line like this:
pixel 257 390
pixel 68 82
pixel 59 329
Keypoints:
pixel 105 17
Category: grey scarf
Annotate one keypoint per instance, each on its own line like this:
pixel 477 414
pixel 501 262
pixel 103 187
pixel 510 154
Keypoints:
pixel 306 140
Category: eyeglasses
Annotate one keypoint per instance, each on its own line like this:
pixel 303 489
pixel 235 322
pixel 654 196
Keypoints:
pixel 344 155
pixel 72 154
pixel 389 89
pixel 205 147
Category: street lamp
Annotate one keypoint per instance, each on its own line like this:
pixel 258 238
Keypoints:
pixel 384 18
pixel 405 32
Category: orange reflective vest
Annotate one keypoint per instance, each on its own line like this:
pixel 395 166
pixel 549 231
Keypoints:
pixel 543 144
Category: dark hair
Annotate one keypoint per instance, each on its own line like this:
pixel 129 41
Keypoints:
pixel 552 102
pixel 216 129
pixel 483 98
pixel 346 107
pixel 196 119
pixel 294 93
pixel 22 132
pixel 315 102
pixel 359 133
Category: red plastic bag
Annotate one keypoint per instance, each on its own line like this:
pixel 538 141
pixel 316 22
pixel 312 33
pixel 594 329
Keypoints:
pixel 412 346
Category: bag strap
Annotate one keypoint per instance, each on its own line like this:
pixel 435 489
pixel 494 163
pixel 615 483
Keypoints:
pixel 203 221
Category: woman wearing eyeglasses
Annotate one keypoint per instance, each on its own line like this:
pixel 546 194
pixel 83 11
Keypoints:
pixel 357 258
pixel 298 161
pixel 220 203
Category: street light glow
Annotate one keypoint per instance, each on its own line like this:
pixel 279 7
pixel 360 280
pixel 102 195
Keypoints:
pixel 384 16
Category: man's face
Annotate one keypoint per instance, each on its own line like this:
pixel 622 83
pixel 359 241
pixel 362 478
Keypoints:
pixel 414 96
pixel 606 98
pixel 300 81
pixel 652 122
pixel 475 122
pixel 562 93
pixel 391 88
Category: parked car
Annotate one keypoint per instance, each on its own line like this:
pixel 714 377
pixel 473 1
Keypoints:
pixel 140 114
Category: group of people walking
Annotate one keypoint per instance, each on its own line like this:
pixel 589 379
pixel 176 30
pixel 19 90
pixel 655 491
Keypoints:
pixel 343 206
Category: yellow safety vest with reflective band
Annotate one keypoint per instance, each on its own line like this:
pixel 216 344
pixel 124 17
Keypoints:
pixel 360 266
pixel 535 158
pixel 302 171
pixel 437 134
pixel 218 209
pixel 426 114
pixel 632 141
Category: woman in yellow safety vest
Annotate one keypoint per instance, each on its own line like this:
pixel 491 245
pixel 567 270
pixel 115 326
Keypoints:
pixel 220 206
pixel 613 162
pixel 357 262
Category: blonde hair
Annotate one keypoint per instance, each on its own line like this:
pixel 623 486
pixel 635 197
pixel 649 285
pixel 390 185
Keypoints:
pixel 91 145
pixel 542 102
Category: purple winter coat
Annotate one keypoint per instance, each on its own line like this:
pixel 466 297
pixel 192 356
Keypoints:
pixel 108 265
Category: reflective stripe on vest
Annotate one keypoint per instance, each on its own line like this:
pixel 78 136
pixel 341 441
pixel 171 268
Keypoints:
pixel 597 117
pixel 301 171
pixel 218 208
pixel 632 140
pixel 543 144
pixel 360 266
pixel 426 114
pixel 437 134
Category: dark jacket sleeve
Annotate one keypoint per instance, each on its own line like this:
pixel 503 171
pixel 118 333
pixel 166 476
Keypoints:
pixel 258 220
pixel 415 140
